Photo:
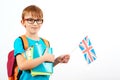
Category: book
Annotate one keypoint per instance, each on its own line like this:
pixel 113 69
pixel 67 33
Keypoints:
pixel 45 68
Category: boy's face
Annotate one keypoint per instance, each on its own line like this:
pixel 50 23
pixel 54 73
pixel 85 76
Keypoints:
pixel 32 24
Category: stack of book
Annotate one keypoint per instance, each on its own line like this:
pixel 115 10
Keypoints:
pixel 45 68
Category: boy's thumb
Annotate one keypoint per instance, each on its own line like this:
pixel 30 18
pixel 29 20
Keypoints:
pixel 46 50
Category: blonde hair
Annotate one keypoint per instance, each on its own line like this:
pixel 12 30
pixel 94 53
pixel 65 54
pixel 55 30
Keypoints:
pixel 34 10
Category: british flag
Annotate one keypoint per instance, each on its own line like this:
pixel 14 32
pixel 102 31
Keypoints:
pixel 87 50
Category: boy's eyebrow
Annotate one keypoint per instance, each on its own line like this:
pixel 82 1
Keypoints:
pixel 32 18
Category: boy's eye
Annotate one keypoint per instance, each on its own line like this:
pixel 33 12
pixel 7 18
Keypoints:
pixel 30 19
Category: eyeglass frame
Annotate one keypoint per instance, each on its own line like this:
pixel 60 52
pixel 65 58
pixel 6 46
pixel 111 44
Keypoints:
pixel 33 20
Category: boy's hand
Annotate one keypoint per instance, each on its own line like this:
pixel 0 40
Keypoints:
pixel 63 58
pixel 48 57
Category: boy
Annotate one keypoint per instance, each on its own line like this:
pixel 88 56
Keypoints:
pixel 32 19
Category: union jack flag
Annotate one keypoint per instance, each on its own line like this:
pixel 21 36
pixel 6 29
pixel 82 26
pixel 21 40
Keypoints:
pixel 87 50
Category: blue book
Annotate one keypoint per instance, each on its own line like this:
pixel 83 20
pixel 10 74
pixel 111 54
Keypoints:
pixel 46 68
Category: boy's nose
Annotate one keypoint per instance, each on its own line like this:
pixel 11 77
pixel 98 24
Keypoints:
pixel 35 23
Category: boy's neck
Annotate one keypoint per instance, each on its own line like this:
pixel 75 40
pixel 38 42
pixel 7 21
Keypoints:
pixel 34 37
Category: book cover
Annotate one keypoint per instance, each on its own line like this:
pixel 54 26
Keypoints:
pixel 46 68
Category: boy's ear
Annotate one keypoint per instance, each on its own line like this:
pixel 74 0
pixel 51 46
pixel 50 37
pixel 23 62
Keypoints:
pixel 22 22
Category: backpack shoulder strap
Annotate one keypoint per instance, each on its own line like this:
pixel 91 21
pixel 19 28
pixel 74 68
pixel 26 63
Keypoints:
pixel 46 42
pixel 24 41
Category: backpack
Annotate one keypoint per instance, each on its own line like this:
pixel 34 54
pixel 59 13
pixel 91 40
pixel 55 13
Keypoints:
pixel 12 67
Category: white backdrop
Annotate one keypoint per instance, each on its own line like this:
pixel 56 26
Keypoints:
pixel 66 23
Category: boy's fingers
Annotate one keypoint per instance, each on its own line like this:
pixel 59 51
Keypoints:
pixel 65 58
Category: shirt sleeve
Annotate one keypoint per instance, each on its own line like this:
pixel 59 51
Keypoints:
pixel 18 47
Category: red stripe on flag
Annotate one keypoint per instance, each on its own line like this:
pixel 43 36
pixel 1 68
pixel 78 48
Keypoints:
pixel 87 50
